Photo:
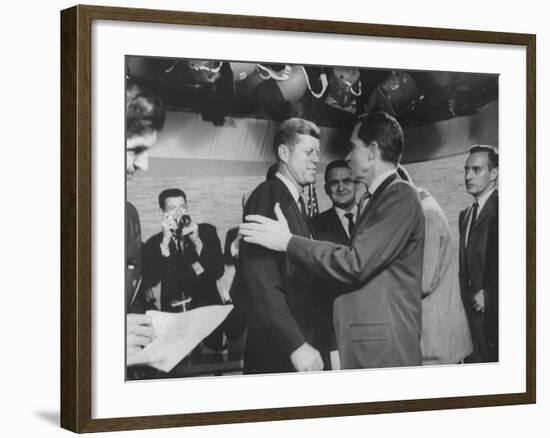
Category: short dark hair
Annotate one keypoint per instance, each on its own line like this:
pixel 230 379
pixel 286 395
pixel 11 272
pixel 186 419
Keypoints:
pixel 144 110
pixel 492 153
pixel 170 193
pixel 385 130
pixel 271 172
pixel 336 164
pixel 289 130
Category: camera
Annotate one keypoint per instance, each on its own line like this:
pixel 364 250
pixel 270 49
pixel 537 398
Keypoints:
pixel 183 222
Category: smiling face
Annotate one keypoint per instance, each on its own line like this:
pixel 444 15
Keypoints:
pixel 479 179
pixel 301 159
pixel 361 159
pixel 340 187
pixel 137 152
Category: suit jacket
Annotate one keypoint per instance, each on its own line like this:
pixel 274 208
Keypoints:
pixel 478 263
pixel 378 319
pixel 328 227
pixel 283 311
pixel 176 274
pixel 133 277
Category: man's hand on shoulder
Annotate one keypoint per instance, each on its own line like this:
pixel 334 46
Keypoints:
pixel 306 358
pixel 266 232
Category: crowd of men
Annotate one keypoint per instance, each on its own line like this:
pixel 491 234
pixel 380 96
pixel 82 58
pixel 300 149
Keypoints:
pixel 374 281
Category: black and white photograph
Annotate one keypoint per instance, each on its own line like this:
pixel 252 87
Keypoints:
pixel 286 218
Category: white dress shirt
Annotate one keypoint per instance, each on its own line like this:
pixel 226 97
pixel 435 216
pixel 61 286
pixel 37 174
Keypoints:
pixel 345 221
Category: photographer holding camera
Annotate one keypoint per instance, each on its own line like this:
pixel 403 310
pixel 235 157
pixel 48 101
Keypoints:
pixel 185 258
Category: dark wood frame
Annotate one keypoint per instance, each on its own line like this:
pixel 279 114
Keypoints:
pixel 76 225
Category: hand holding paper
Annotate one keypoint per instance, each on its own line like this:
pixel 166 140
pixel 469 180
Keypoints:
pixel 139 333
pixel 176 334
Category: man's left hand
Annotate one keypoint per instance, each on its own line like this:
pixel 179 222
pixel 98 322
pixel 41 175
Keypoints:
pixel 266 232
pixel 191 230
pixel 479 301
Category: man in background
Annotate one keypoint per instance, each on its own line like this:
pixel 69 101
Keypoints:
pixel 478 255
pixel 335 225
pixel 185 258
pixel 283 314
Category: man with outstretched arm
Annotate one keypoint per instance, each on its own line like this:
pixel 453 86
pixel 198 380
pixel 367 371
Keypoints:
pixel 378 319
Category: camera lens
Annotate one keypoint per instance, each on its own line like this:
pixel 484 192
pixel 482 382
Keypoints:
pixel 184 221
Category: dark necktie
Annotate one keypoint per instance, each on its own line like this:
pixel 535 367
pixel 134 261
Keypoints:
pixel 473 219
pixel 302 205
pixel 349 216
pixel 304 213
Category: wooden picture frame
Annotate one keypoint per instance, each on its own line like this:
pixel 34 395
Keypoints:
pixel 76 217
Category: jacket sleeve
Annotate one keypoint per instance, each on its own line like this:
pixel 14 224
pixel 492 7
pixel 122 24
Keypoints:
pixel 262 273
pixel 153 263
pixel 211 257
pixel 398 213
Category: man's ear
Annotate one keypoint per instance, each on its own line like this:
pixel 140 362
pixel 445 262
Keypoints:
pixel 373 150
pixel 283 152
pixel 326 189
pixel 493 174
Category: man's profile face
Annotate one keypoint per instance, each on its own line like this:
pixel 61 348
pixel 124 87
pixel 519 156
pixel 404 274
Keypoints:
pixel 175 207
pixel 302 159
pixel 477 176
pixel 137 152
pixel 359 159
pixel 340 187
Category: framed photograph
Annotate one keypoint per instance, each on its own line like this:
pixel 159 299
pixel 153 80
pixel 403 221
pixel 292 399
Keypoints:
pixel 390 161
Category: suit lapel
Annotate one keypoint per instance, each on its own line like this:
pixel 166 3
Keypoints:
pixel 486 211
pixel 464 219
pixel 298 219
pixel 363 215
pixel 462 233
pixel 338 225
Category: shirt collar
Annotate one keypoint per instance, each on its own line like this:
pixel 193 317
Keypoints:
pixel 483 199
pixel 340 212
pixel 379 180
pixel 291 187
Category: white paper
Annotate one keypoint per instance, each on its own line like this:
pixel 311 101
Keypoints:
pixel 176 334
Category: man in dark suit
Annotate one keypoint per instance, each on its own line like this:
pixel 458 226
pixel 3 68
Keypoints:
pixel 379 317
pixel 283 314
pixel 335 225
pixel 478 226
pixel 185 258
